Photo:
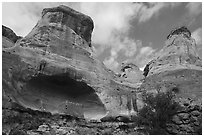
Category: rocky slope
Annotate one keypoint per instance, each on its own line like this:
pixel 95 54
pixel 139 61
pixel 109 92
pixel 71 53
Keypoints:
pixel 52 74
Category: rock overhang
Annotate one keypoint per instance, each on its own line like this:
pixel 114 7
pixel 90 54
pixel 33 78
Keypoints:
pixel 54 51
pixel 49 89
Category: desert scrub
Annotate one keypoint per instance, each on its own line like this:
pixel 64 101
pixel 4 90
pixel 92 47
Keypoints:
pixel 157 112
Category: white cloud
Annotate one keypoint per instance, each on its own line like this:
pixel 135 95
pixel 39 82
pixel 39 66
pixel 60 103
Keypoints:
pixel 111 22
pixel 145 55
pixel 111 63
pixel 146 50
pixel 110 19
pixel 194 8
pixel 112 26
pixel 146 12
pixel 142 68
pixel 129 46
pixel 14 17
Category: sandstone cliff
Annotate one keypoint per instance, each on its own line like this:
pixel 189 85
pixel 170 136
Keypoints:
pixel 177 68
pixel 177 65
pixel 53 69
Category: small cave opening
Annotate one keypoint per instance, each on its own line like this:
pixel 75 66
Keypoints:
pixel 61 94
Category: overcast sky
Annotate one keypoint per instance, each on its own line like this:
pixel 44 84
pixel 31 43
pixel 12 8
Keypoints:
pixel 123 32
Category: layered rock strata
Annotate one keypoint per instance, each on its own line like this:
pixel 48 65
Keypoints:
pixel 177 68
pixel 53 69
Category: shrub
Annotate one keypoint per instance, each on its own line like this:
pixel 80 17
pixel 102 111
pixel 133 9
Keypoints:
pixel 157 112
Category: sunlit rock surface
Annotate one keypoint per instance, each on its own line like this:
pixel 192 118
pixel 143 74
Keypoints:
pixel 131 73
pixel 53 69
pixel 176 65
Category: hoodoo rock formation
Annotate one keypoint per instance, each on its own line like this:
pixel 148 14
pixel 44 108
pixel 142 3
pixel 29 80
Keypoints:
pixel 177 65
pixel 53 69
pixel 177 68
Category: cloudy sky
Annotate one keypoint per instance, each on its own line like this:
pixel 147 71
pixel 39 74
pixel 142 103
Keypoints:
pixel 123 32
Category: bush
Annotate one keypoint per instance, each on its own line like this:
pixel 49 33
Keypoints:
pixel 157 112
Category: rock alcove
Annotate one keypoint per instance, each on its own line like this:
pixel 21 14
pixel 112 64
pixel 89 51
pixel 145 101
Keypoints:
pixel 61 94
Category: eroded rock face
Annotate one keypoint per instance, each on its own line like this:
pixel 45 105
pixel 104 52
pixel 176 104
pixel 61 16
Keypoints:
pixel 131 73
pixel 177 68
pixel 7 43
pixel 62 17
pixel 176 65
pixel 53 69
pixel 179 53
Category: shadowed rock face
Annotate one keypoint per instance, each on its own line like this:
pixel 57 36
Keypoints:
pixel 8 33
pixel 9 38
pixel 53 69
pixel 7 43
